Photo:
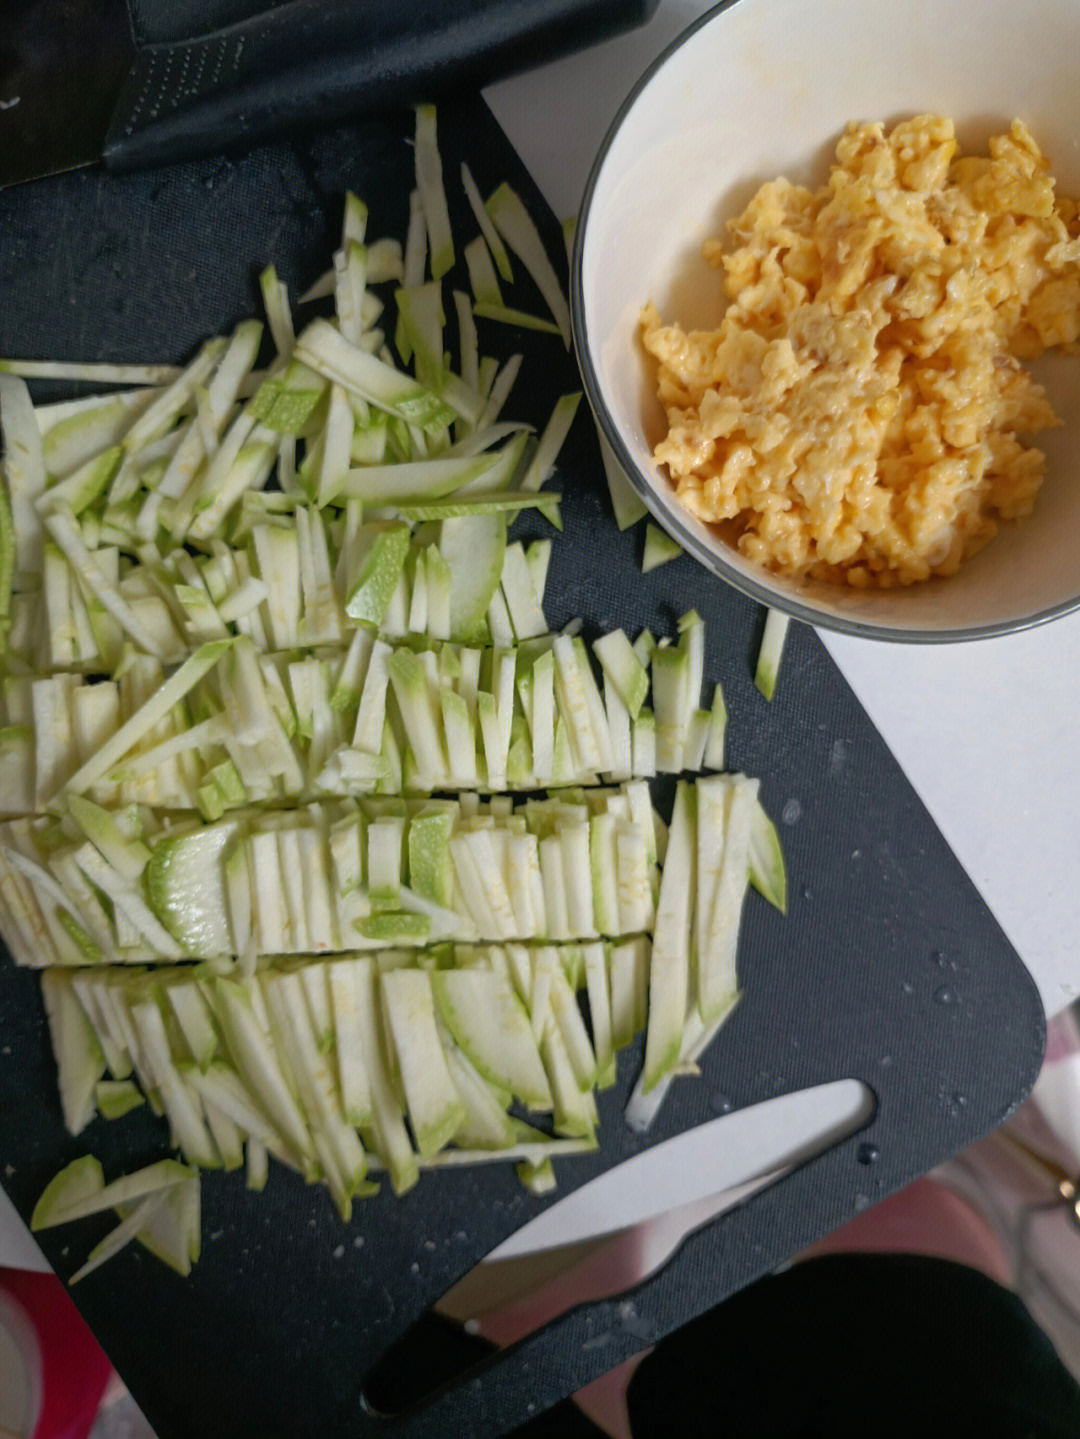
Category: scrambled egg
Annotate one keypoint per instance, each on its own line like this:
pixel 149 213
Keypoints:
pixel 857 416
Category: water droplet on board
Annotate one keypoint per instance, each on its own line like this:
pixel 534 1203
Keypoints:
pixel 792 812
pixel 862 1201
pixel 945 995
pixel 885 1061
pixel 908 988
pixel 631 1322
pixel 720 1103
pixel 954 1102
pixel 867 1153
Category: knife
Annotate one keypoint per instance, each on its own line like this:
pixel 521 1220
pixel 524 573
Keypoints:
pixel 620 1228
pixel 159 81
pixel 586 1270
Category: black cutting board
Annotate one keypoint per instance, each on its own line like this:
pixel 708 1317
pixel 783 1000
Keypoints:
pixel 888 967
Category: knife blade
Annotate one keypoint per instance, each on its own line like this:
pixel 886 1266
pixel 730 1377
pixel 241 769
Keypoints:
pixel 79 81
pixel 62 63
pixel 587 1270
pixel 620 1228
pixel 617 1231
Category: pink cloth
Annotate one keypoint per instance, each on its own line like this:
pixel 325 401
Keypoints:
pixel 924 1218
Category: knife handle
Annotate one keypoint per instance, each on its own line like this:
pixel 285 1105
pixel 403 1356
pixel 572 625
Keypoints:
pixel 320 62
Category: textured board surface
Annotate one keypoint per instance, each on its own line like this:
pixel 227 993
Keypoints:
pixel 888 967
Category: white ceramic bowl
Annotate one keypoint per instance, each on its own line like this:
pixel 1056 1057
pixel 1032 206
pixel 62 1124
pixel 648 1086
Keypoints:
pixel 761 88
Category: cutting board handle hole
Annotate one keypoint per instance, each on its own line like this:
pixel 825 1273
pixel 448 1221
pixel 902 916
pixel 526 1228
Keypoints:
pixel 435 1354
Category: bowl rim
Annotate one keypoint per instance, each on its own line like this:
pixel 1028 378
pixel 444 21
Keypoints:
pixel 669 519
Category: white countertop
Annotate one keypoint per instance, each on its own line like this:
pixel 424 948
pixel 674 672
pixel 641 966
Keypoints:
pixel 986 732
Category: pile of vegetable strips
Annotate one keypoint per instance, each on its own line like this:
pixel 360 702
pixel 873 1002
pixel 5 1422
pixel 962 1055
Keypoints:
pixel 325 847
